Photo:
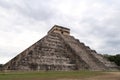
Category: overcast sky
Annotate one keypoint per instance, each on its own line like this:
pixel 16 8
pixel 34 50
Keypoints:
pixel 94 22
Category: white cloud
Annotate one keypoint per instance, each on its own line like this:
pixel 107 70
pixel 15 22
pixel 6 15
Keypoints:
pixel 23 22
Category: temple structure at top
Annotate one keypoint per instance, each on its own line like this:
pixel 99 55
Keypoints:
pixel 59 29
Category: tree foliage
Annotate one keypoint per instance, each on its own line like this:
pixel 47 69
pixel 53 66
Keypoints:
pixel 1 65
pixel 114 58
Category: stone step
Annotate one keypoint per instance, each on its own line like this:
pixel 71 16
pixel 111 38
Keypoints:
pixel 81 51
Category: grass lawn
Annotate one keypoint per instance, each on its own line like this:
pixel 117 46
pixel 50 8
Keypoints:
pixel 48 75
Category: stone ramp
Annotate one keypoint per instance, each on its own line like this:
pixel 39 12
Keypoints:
pixel 91 57
pixel 109 65
pixel 83 53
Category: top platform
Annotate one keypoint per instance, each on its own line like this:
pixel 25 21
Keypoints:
pixel 60 30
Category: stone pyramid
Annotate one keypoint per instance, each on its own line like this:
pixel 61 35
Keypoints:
pixel 59 51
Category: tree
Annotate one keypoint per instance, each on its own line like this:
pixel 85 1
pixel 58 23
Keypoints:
pixel 114 58
pixel 1 66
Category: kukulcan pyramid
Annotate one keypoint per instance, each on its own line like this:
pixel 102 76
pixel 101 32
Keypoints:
pixel 59 51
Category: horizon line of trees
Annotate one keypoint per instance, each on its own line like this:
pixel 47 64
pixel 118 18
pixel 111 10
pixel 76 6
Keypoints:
pixel 113 58
pixel 1 66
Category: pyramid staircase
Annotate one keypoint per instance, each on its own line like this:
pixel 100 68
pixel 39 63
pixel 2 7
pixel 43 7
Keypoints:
pixel 59 51
pixel 91 57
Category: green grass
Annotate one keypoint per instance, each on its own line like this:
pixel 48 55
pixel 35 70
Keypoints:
pixel 47 75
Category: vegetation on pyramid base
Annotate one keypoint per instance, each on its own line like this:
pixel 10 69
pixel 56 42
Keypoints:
pixel 114 58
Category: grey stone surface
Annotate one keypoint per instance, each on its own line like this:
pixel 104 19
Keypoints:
pixel 59 51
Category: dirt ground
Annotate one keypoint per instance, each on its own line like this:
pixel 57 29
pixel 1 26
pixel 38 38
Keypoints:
pixel 107 76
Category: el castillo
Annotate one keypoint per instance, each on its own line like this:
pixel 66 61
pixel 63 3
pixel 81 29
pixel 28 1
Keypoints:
pixel 59 51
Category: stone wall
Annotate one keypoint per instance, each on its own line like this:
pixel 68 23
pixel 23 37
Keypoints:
pixel 60 30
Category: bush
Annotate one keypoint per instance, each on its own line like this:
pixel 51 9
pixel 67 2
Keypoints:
pixel 1 67
pixel 114 58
